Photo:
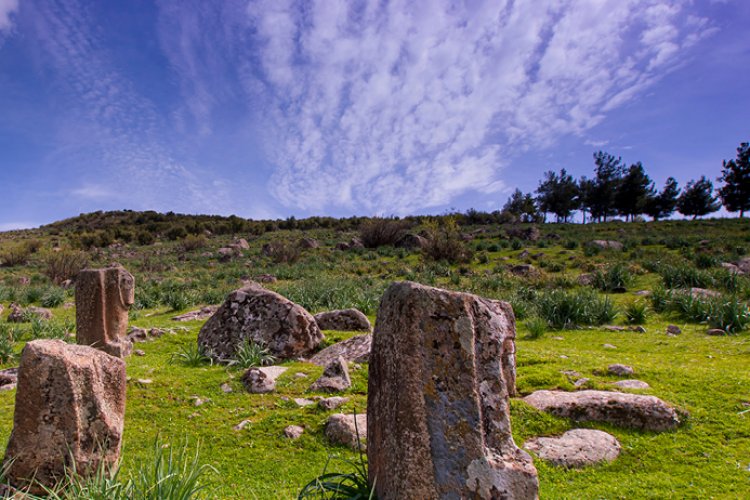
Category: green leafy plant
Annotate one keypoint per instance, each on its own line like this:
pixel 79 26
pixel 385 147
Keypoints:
pixel 636 313
pixel 249 354
pixel 536 327
pixel 191 355
pixel 7 349
pixel 614 278
pixel 53 297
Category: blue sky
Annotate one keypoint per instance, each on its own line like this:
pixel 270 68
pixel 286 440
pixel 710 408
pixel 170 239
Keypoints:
pixel 267 109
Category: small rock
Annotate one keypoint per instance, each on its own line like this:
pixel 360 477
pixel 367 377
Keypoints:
pixel 341 429
pixel 631 384
pixel 241 425
pixel 558 338
pixel 639 329
pixel 715 332
pixel 563 356
pixel 273 372
pixel 609 346
pixel 257 382
pixel 193 415
pixel 643 293
pixel 571 373
pixel 293 431
pixel 355 350
pixel 576 448
pixel 202 313
pixel 620 370
pixel 674 330
pixel 199 401
pixel 581 382
pixel 304 402
pixel 335 377
pixel 139 352
pixel 332 403
pixel 614 328
pixel 300 375
pixel 226 388
pixel 144 381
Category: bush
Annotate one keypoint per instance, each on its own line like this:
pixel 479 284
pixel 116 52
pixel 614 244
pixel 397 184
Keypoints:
pixel 145 238
pixel 616 278
pixel 444 243
pixel 53 297
pixel 379 231
pixel 636 312
pixel 325 294
pixel 16 255
pixel 563 309
pixel 7 349
pixel 65 265
pixel 282 252
pixel 190 355
pixel 176 232
pixel 536 327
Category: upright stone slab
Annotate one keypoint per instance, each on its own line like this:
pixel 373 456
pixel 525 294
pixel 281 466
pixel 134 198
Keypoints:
pixel 103 298
pixel 438 415
pixel 70 411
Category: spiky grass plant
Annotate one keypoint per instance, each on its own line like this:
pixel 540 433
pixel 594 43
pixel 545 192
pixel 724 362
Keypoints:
pixel 250 354
pixel 636 313
pixel 191 355
pixel 536 326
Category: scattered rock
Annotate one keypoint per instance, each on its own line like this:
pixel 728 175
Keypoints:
pixel 241 425
pixel 447 360
pixel 293 431
pixel 643 293
pixel 353 350
pixel 620 370
pixel 300 375
pixel 576 448
pixel 8 379
pixel 226 388
pixel 20 315
pixel 609 346
pixel 228 253
pixel 309 243
pixel 526 234
pixel 332 403
pixel 606 244
pixel 139 352
pixel 265 317
pixel 335 378
pixel 136 334
pixel 631 384
pixel 744 265
pixel 266 278
pixel 347 320
pixel 341 429
pixel 412 241
pixel 524 270
pixel 614 328
pixel 581 382
pixel 199 314
pixel 702 293
pixel 303 402
pixel 273 372
pixel 633 411
pixel 585 279
pixel 257 382
pixel 70 403
pixel 638 328
pixel 144 381
pixel 674 330
pixel 715 331
pixel 240 243
pixel 732 268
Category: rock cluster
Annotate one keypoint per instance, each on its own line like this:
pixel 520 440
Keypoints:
pixel 335 378
pixel 347 320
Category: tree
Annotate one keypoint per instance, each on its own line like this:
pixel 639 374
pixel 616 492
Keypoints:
pixel 608 176
pixel 634 191
pixel 558 194
pixel 586 189
pixel 522 206
pixel 698 199
pixel 735 193
pixel 662 205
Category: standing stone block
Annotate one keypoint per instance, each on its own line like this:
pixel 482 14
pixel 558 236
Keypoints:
pixel 438 416
pixel 70 412
pixel 103 298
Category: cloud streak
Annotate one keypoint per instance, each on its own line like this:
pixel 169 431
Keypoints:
pixel 7 9
pixel 402 106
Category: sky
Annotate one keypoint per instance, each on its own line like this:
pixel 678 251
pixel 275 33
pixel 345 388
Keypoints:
pixel 268 109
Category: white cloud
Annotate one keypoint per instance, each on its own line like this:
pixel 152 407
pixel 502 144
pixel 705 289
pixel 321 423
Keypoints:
pixel 400 106
pixel 11 226
pixel 7 7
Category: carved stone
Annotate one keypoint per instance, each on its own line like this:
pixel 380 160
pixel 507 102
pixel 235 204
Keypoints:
pixel 438 412
pixel 103 298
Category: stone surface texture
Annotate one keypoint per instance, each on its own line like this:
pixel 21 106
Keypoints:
pixel 354 350
pixel 335 377
pixel 341 429
pixel 103 298
pixel 257 381
pixel 264 317
pixel 202 313
pixel 441 369
pixel 70 410
pixel 620 370
pixel 346 320
pixel 576 448
pixel 632 411
pixel 631 384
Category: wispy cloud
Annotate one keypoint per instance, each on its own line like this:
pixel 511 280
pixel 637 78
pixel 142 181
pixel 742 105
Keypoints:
pixel 7 9
pixel 397 106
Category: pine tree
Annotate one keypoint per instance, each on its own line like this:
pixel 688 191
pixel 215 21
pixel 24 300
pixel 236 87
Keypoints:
pixel 735 193
pixel 608 177
pixel 558 194
pixel 662 205
pixel 522 206
pixel 698 199
pixel 634 192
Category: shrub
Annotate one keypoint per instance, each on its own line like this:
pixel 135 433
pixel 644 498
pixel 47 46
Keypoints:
pixel 563 309
pixel 7 349
pixel 685 277
pixel 660 299
pixel 32 294
pixel 176 232
pixel 53 297
pixel 516 244
pixel 614 278
pixel 730 315
pixel 636 312
pixel 190 355
pixel 282 252
pixel 249 354
pixel 444 243
pixel 536 327
pixel 145 238
pixel 379 231
pixel 65 265
pixel 16 255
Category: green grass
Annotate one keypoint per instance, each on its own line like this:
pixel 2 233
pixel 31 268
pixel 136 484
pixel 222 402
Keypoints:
pixel 707 457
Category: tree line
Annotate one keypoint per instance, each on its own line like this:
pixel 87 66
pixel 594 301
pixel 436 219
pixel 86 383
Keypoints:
pixel 618 189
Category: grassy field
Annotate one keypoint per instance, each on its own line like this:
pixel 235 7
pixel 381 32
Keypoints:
pixel 708 377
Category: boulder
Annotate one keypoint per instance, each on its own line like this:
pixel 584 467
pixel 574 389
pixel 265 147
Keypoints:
pixel 585 279
pixel 620 370
pixel 309 243
pixel 606 244
pixel 344 429
pixel 732 268
pixel 631 384
pixel 531 233
pixel 19 314
pixel 718 332
pixel 257 381
pixel 335 378
pixel 441 369
pixel 103 298
pixel 241 243
pixel 332 403
pixel 524 270
pixel 293 431
pixel 266 278
pixel 353 350
pixel 576 448
pixel 70 411
pixel 702 293
pixel 8 379
pixel 633 411
pixel 744 265
pixel 262 316
pixel 347 320
pixel 411 241
pixel 673 330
